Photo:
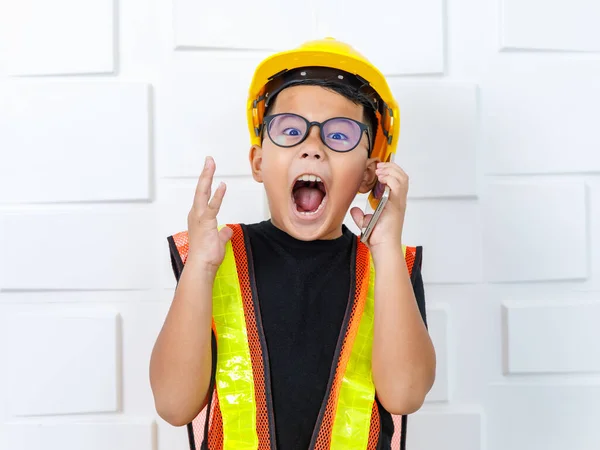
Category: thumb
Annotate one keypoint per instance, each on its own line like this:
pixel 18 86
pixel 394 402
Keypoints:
pixel 225 234
pixel 359 218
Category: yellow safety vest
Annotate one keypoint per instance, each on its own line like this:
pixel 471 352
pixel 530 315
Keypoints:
pixel 239 414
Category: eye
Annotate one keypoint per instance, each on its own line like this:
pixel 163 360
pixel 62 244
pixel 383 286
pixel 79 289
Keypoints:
pixel 337 136
pixel 291 132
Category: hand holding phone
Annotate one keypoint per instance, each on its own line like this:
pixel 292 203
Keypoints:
pixel 377 200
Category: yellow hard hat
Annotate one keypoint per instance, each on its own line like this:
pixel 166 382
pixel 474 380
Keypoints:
pixel 278 71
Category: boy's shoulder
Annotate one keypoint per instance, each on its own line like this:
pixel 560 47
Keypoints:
pixel 179 243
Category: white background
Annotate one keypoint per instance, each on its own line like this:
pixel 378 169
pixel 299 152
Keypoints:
pixel 108 108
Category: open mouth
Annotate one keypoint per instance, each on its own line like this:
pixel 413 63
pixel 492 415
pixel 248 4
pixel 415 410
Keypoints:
pixel 309 194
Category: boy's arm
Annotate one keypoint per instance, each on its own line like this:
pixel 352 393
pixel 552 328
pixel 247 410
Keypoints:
pixel 403 363
pixel 403 355
pixel 181 362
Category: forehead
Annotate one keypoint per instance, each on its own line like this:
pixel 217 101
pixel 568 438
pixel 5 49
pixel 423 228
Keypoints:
pixel 316 103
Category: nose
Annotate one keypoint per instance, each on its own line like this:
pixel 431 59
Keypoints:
pixel 313 147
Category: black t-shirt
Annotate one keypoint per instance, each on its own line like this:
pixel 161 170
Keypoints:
pixel 303 290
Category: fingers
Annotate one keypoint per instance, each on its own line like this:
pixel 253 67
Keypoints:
pixel 215 204
pixel 393 175
pixel 359 218
pixel 204 207
pixel 202 194
pixel 391 181
pixel 225 234
pixel 386 169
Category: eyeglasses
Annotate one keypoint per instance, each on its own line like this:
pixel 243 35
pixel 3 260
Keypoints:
pixel 340 134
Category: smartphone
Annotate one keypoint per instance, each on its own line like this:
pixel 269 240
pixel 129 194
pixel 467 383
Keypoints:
pixel 377 200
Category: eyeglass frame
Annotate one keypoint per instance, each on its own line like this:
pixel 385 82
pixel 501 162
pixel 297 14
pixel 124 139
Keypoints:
pixel 363 127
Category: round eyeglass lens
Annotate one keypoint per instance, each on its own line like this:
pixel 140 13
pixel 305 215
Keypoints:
pixel 341 134
pixel 287 130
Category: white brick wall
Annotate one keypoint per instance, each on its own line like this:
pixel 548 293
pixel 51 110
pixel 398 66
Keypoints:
pixel 108 108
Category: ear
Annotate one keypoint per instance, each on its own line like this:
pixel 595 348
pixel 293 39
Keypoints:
pixel 255 157
pixel 369 176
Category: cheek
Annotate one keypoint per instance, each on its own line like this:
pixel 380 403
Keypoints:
pixel 352 173
pixel 275 170
pixel 273 157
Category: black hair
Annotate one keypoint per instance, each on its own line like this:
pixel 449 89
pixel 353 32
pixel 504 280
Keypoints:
pixel 348 92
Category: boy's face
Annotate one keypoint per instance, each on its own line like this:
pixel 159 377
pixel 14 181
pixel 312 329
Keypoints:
pixel 312 210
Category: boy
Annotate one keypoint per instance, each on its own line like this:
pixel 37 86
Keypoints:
pixel 281 328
